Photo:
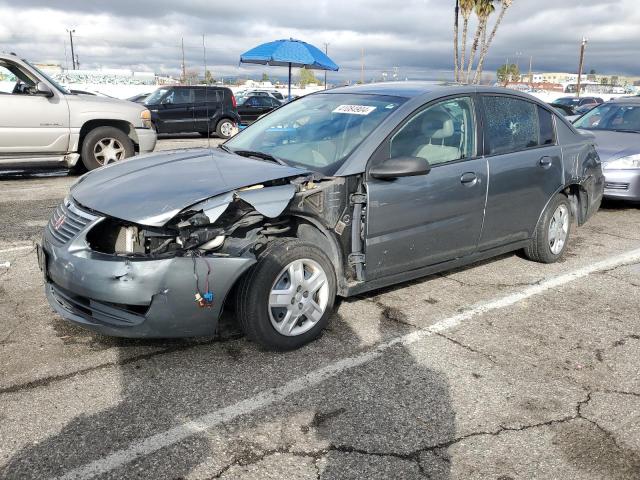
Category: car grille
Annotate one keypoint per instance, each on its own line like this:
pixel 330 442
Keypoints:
pixel 98 312
pixel 67 220
pixel 616 186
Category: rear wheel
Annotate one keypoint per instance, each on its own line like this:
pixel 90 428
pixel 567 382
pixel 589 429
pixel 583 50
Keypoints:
pixel 550 239
pixel 225 128
pixel 286 299
pixel 104 145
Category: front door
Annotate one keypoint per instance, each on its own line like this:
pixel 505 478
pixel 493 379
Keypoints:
pixel 30 123
pixel 423 220
pixel 525 164
pixel 175 113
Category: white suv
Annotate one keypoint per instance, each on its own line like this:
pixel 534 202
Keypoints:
pixel 42 123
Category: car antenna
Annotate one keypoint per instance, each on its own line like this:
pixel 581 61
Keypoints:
pixel 206 91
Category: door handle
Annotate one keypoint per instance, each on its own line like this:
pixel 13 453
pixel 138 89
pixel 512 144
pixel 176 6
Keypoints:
pixel 545 162
pixel 469 179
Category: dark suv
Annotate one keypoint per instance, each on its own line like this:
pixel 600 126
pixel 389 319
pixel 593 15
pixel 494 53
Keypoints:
pixel 205 110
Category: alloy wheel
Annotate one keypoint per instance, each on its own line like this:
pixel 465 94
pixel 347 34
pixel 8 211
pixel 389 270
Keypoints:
pixel 298 297
pixel 108 150
pixel 558 229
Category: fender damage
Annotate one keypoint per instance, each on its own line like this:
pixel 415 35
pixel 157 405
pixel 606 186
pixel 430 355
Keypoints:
pixel 126 278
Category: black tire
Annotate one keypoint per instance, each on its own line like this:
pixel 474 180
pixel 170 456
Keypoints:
pixel 100 134
pixel 539 250
pixel 252 299
pixel 221 131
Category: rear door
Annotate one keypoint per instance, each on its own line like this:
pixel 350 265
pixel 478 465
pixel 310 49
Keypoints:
pixel 30 123
pixel 423 220
pixel 175 112
pixel 208 102
pixel 525 167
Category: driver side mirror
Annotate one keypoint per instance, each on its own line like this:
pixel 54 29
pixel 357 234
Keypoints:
pixel 400 167
pixel 44 90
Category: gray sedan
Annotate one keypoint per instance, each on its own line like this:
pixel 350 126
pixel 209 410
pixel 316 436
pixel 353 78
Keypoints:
pixel 616 126
pixel 334 194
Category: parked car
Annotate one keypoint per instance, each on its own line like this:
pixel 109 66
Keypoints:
pixel 183 109
pixel 616 126
pixel 139 98
pixel 577 102
pixel 338 193
pixel 49 125
pixel 273 93
pixel 565 110
pixel 253 107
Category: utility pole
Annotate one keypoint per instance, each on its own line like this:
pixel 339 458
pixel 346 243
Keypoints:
pixel 326 52
pixel 581 64
pixel 184 72
pixel 73 56
pixel 362 67
pixel 530 70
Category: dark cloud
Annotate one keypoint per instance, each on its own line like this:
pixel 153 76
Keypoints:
pixel 413 35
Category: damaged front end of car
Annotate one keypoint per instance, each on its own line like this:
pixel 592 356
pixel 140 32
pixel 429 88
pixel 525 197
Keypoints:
pixel 137 279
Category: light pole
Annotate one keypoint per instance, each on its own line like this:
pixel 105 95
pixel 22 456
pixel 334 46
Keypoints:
pixel 456 51
pixel 326 52
pixel 580 65
pixel 73 56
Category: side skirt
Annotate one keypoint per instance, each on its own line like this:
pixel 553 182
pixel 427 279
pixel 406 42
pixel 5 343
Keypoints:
pixel 358 288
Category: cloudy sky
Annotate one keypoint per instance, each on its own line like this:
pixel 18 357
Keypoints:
pixel 413 35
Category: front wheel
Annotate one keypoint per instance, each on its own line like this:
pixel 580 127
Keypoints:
pixel 104 145
pixel 286 299
pixel 551 236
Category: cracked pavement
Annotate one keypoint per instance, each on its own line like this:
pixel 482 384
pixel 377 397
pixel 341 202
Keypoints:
pixel 547 387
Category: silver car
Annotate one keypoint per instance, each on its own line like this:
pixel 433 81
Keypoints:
pixel 616 126
pixel 335 194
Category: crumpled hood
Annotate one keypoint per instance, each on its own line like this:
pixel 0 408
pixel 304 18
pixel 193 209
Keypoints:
pixel 613 145
pixel 152 189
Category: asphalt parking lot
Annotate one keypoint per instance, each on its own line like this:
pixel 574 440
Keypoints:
pixel 503 370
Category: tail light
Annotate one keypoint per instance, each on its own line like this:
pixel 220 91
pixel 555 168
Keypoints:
pixel 233 101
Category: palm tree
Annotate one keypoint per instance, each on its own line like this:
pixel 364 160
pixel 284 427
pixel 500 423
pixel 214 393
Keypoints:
pixel 483 9
pixel 466 7
pixel 456 50
pixel 485 45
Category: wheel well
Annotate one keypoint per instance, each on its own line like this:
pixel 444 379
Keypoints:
pixel 579 202
pixel 126 128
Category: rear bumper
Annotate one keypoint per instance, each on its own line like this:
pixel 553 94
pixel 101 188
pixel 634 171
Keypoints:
pixel 622 184
pixel 127 297
pixel 147 138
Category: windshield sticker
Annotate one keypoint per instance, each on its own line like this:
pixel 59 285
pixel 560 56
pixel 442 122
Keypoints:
pixel 354 109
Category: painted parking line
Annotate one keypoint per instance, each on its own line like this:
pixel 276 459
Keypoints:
pixel 16 249
pixel 269 397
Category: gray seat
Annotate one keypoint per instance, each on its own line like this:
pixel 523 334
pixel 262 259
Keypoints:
pixel 437 127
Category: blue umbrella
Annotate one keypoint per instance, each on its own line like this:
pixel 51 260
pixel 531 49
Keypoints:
pixel 291 53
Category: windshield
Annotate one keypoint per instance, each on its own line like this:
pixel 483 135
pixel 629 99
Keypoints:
pixel 318 131
pixel 49 79
pixel 611 116
pixel 155 97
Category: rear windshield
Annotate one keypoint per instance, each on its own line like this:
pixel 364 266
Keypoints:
pixel 317 132
pixel 571 101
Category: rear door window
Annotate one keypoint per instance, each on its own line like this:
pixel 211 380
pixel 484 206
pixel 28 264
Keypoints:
pixel 514 124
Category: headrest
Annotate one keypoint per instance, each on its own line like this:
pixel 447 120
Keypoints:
pixel 437 125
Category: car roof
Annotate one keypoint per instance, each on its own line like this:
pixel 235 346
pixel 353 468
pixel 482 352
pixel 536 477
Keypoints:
pixel 407 89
